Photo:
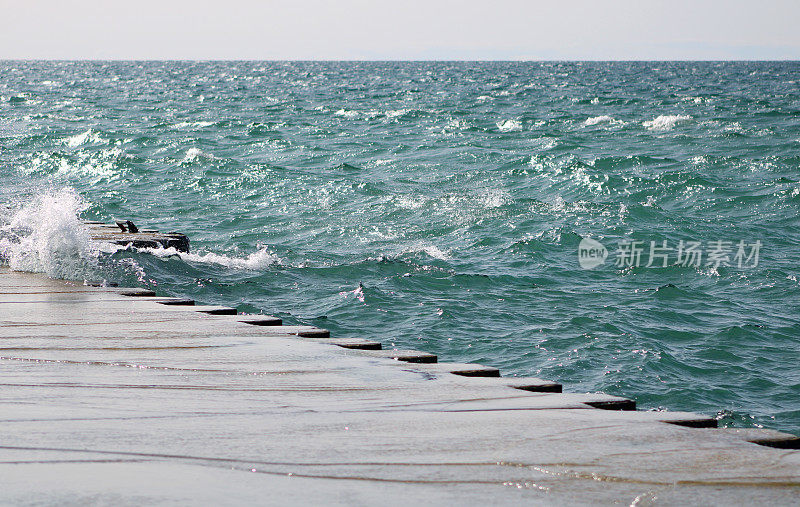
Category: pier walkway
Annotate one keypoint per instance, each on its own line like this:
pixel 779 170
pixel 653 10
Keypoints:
pixel 115 396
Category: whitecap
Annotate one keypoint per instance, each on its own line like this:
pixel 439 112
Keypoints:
pixel 191 125
pixel 594 120
pixel 346 113
pixel 509 126
pixel 88 137
pixel 428 249
pixel 394 113
pixel 192 154
pixel 89 167
pixel 666 122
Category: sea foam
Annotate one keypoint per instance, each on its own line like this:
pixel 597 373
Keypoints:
pixel 194 154
pixel 427 249
pixel 598 119
pixel 87 137
pixel 346 113
pixel 259 259
pixel 509 126
pixel 191 125
pixel 666 122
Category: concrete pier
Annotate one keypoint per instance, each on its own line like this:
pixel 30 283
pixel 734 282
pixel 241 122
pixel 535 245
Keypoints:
pixel 125 233
pixel 114 395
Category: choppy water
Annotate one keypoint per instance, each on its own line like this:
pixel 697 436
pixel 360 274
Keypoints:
pixel 440 206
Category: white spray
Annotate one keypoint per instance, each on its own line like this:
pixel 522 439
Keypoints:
pixel 46 235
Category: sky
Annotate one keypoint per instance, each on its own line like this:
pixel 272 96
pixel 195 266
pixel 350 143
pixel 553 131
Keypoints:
pixel 400 30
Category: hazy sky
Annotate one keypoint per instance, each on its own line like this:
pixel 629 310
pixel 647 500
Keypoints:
pixel 406 30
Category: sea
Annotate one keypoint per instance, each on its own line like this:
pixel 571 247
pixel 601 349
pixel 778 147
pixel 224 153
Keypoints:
pixel 629 228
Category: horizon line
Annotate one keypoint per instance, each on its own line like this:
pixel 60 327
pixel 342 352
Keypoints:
pixel 396 60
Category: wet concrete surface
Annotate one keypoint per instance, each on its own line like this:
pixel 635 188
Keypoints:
pixel 107 398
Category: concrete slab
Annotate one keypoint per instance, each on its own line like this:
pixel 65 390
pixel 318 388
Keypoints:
pixel 125 233
pixel 111 399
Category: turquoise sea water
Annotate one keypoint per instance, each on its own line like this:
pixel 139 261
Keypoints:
pixel 440 206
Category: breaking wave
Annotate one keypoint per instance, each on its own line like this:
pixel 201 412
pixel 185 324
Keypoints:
pixel 666 122
pixel 257 260
pixel 46 235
